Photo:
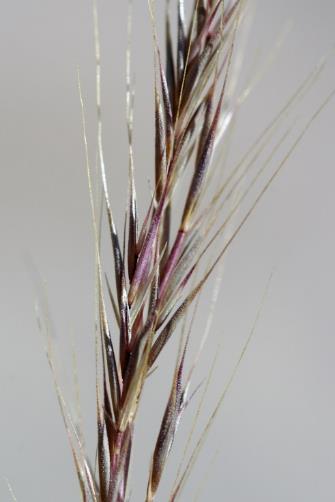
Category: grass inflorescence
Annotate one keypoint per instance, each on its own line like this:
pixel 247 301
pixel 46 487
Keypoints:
pixel 158 271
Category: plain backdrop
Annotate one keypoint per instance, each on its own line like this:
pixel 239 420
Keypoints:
pixel 274 438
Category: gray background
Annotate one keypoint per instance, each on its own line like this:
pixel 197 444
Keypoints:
pixel 274 439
